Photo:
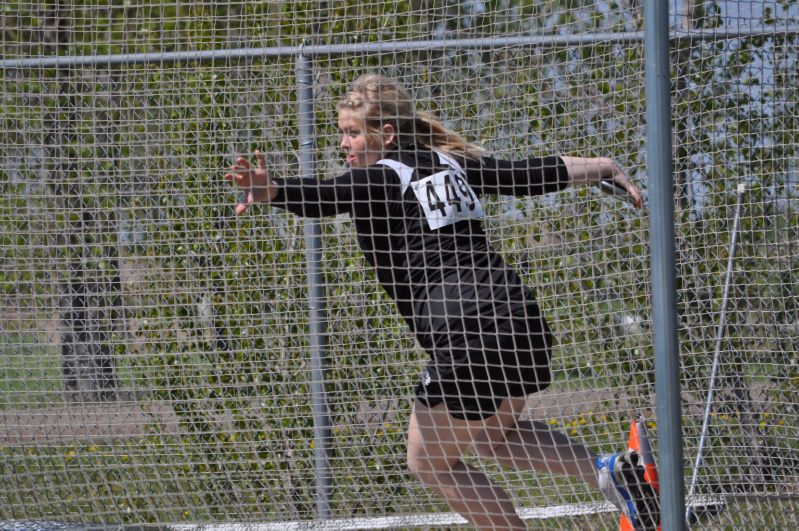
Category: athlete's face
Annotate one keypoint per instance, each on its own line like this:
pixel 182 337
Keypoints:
pixel 361 146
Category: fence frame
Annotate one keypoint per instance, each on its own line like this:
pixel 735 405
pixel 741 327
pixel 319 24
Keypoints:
pixel 657 39
pixel 663 270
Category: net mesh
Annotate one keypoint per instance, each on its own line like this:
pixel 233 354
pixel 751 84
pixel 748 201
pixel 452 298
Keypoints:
pixel 157 351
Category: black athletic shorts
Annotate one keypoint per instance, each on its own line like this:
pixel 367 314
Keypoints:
pixel 487 361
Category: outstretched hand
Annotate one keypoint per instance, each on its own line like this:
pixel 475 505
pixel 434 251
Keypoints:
pixel 255 182
pixel 583 170
pixel 622 180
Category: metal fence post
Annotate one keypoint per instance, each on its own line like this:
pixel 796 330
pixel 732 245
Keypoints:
pixel 664 306
pixel 316 310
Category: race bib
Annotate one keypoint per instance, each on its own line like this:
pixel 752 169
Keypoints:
pixel 446 197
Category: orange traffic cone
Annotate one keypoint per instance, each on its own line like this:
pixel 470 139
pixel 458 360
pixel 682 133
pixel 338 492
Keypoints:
pixel 639 442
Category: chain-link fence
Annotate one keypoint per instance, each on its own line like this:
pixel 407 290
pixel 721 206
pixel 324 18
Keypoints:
pixel 158 360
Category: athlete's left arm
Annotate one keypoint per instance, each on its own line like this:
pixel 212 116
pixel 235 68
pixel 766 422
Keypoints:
pixel 533 176
pixel 542 175
pixel 584 170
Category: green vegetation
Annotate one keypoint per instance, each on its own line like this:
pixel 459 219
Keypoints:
pixel 30 372
pixel 114 218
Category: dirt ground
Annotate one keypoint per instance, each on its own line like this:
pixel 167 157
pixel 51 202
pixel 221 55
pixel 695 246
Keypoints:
pixel 129 419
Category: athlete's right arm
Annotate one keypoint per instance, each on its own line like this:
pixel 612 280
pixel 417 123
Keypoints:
pixel 256 183
pixel 360 192
pixel 354 189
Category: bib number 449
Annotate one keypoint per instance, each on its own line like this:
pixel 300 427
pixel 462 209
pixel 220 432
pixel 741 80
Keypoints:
pixel 446 197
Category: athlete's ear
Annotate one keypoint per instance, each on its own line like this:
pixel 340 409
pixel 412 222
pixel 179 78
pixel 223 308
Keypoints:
pixel 389 134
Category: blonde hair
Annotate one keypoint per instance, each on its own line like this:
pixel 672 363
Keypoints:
pixel 380 100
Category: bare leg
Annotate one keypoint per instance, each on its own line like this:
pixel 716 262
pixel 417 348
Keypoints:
pixel 526 445
pixel 436 444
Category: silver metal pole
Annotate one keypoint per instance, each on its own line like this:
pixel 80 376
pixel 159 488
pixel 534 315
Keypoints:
pixel 664 307
pixel 722 326
pixel 226 55
pixel 316 310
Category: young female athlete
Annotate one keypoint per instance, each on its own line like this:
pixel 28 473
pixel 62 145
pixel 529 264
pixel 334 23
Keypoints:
pixel 414 192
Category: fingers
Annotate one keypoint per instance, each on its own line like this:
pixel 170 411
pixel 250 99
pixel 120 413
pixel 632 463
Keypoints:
pixel 239 171
pixel 238 179
pixel 241 208
pixel 635 194
pixel 638 201
pixel 241 164
pixel 621 182
pixel 261 159
pixel 621 178
pixel 242 175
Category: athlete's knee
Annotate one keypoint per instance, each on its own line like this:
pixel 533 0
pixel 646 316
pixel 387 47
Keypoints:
pixel 425 467
pixel 417 461
pixel 487 449
pixel 496 435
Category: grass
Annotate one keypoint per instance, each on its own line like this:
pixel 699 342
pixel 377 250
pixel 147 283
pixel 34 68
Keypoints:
pixel 99 482
pixel 161 479
pixel 30 372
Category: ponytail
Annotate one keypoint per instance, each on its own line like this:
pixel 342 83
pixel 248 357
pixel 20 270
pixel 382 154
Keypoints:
pixel 430 132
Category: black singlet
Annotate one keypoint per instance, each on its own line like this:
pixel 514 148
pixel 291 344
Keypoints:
pixel 417 215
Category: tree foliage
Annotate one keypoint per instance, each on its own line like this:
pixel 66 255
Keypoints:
pixel 115 171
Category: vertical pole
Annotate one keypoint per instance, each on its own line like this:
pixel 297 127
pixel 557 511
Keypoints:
pixel 313 257
pixel 664 306
pixel 720 331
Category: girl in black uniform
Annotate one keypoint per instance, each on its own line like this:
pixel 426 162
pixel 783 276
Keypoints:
pixel 414 192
